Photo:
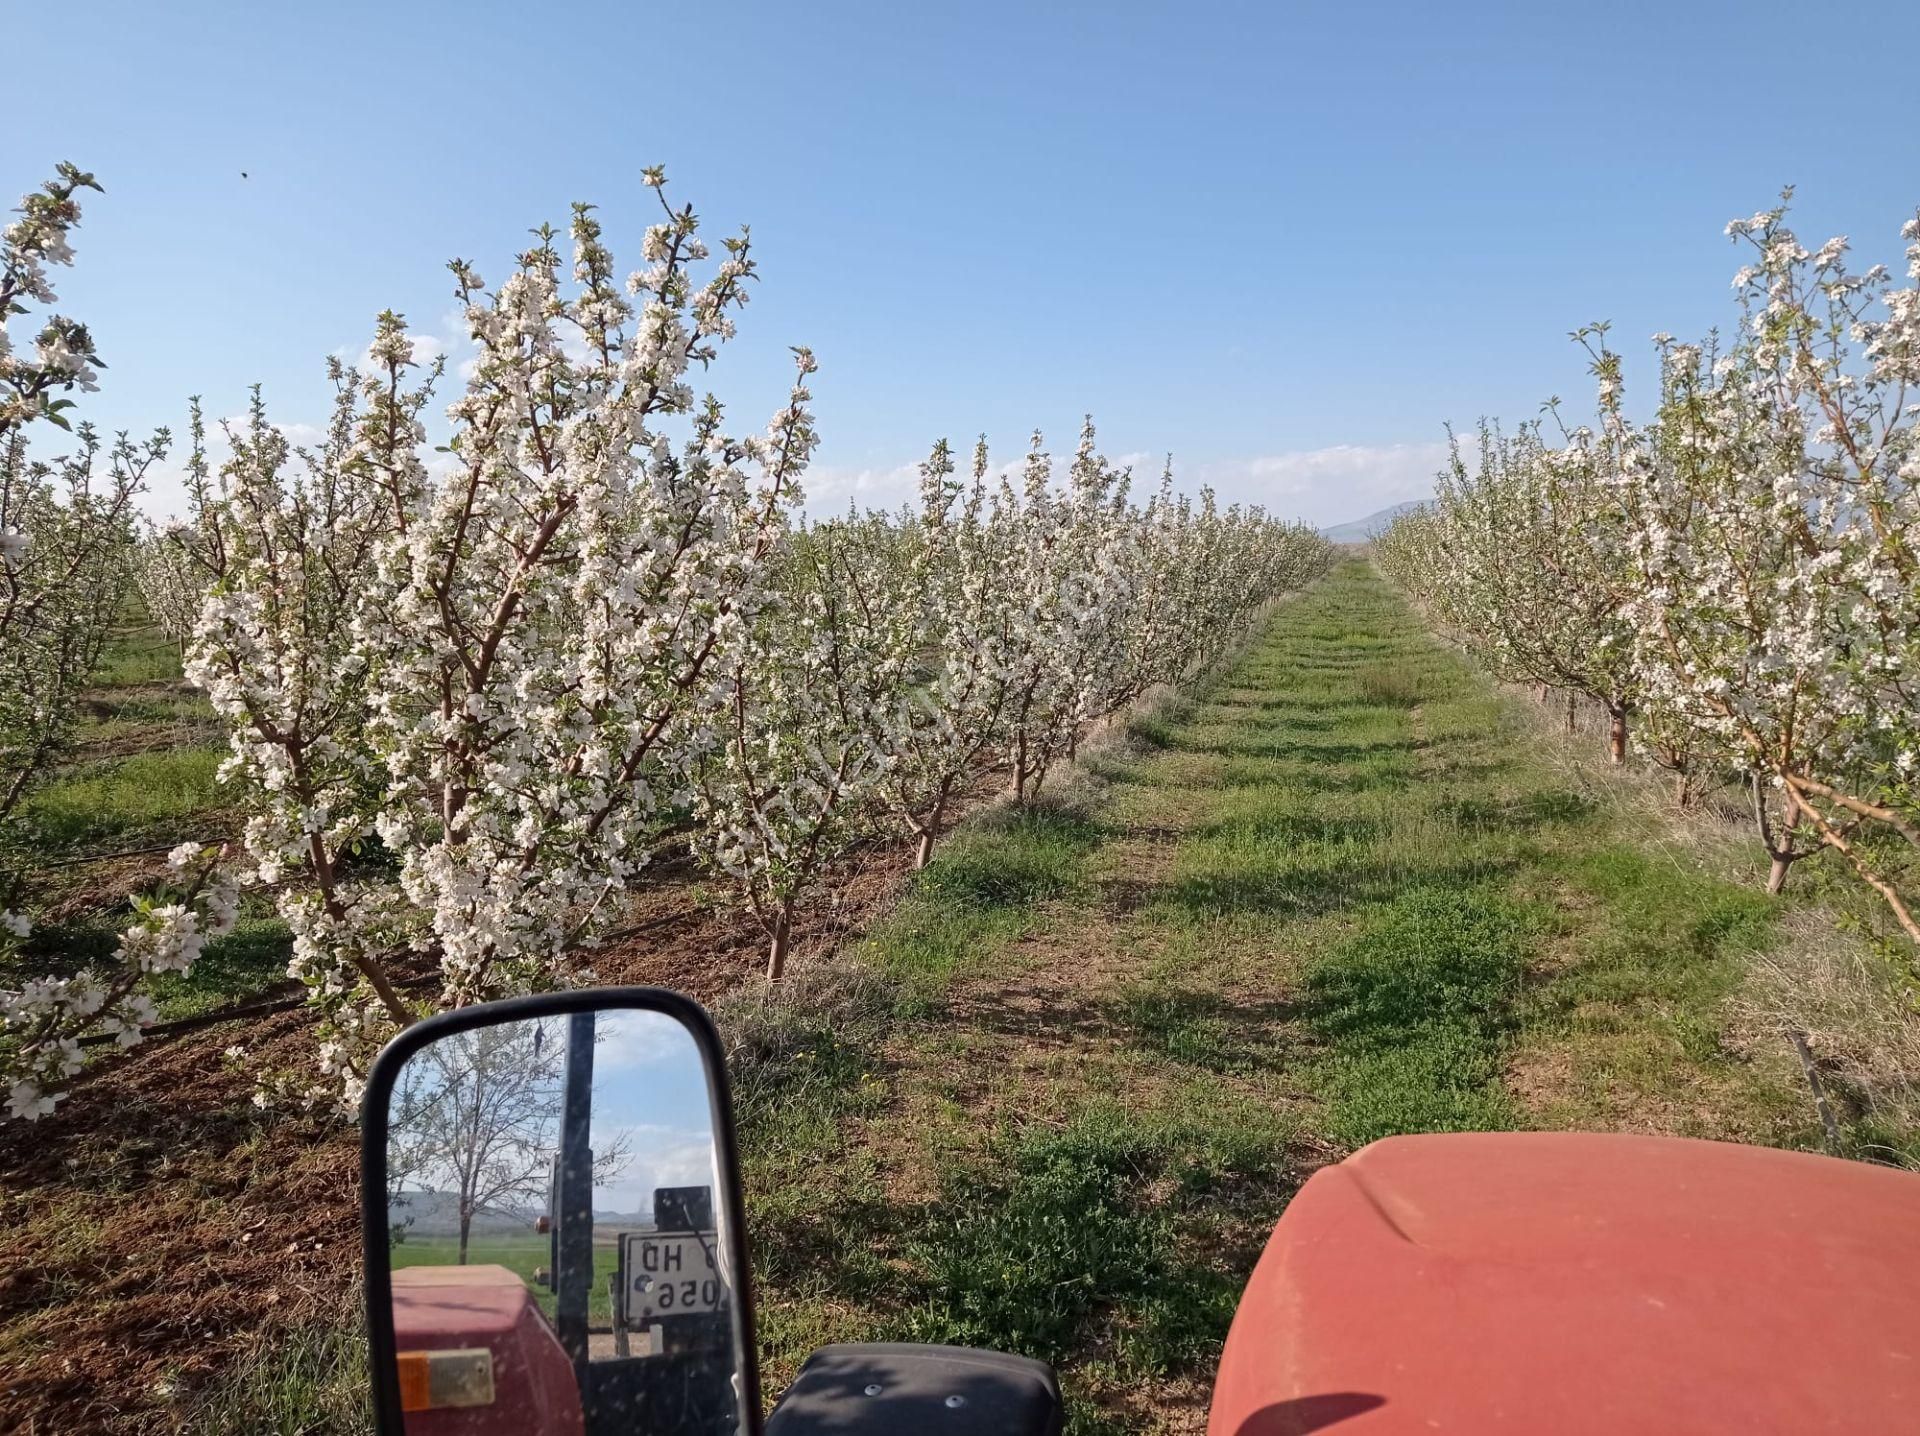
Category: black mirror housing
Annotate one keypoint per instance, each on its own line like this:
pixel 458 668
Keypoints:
pixel 625 1314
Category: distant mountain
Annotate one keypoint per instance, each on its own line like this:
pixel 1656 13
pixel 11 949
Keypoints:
pixel 1373 525
pixel 437 1214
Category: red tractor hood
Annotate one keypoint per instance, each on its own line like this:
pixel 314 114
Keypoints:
pixel 1571 1284
pixel 442 1308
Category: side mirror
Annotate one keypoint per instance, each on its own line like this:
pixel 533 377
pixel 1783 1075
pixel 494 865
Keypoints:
pixel 554 1239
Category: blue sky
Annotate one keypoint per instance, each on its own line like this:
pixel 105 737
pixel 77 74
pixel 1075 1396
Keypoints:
pixel 1285 241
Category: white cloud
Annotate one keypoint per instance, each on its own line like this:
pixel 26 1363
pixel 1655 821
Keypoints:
pixel 165 496
pixel 831 487
pixel 303 436
pixel 656 1157
pixel 426 349
pixel 1323 486
pixel 629 1038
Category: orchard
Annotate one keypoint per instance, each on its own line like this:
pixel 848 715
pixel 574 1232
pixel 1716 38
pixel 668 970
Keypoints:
pixel 472 689
pixel 1733 577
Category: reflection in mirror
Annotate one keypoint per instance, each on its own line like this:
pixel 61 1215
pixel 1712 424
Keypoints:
pixel 557 1243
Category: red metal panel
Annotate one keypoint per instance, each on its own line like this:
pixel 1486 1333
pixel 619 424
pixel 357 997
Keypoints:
pixel 437 1307
pixel 1573 1284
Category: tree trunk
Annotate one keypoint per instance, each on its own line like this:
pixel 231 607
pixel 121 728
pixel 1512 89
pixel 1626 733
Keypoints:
pixel 1777 874
pixel 466 1226
pixel 1020 767
pixel 1829 1124
pixel 1572 727
pixel 777 948
pixel 928 832
pixel 1616 735
pixel 1780 850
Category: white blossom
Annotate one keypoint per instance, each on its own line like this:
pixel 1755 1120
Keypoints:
pixel 1742 569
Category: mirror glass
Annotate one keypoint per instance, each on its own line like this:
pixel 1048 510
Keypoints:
pixel 556 1233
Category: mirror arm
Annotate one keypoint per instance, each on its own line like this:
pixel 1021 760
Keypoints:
pixel 573 1205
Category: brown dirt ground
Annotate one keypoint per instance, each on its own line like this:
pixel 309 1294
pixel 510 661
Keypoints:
pixel 158 1226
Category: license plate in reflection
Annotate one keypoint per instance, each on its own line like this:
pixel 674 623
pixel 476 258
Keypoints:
pixel 670 1274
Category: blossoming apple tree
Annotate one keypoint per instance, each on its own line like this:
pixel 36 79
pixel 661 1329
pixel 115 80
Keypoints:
pixel 1759 539
pixel 464 694
pixel 1777 513
pixel 818 692
pixel 65 526
pixel 471 688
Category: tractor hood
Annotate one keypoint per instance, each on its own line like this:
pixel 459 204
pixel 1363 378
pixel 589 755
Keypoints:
pixel 1567 1283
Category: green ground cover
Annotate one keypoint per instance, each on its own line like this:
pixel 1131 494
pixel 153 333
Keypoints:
pixel 1338 894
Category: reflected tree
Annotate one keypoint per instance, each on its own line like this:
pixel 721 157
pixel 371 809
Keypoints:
pixel 476 1116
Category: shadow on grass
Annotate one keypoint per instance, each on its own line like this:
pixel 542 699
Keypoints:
pixel 1319 754
pixel 1067 1235
pixel 1320 883
pixel 982 889
pixel 1204 1029
pixel 164 790
pixel 1523 814
pixel 1663 948
pixel 307 1378
pixel 1285 829
pixel 250 960
pixel 1011 859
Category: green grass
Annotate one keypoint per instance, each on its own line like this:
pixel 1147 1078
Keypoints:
pixel 144 757
pixel 303 1382
pixel 1015 859
pixel 114 712
pixel 1415 1012
pixel 251 957
pixel 1023 1259
pixel 1390 684
pixel 1190 1025
pixel 137 654
pixel 1646 995
pixel 985 887
pixel 519 1255
pixel 138 696
pixel 248 960
pixel 1064 1238
pixel 154 796
pixel 1340 893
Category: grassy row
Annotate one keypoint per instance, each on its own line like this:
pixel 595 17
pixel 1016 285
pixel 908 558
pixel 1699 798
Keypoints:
pixel 155 796
pixel 162 785
pixel 1343 894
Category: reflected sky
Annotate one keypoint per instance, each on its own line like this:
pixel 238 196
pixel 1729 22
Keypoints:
pixel 650 1091
pixel 651 1123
